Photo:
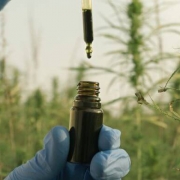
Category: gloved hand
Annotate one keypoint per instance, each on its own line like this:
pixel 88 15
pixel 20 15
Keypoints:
pixel 111 163
pixel 3 3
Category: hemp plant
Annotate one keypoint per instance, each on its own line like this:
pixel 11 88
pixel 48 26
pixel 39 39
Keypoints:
pixel 172 104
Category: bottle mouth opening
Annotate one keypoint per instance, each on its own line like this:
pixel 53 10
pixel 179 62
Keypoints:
pixel 88 84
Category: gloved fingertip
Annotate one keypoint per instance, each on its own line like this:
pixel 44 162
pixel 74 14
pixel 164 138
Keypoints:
pixel 60 133
pixel 3 3
pixel 109 138
pixel 112 164
pixel 57 133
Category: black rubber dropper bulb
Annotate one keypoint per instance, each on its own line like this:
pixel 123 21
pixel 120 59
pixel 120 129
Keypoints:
pixel 86 119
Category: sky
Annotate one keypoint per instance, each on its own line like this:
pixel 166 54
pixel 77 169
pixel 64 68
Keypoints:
pixel 55 27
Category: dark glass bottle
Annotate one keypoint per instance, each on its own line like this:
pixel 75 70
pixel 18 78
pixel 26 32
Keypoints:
pixel 86 119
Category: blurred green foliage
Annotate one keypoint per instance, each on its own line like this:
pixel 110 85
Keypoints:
pixel 24 123
pixel 151 139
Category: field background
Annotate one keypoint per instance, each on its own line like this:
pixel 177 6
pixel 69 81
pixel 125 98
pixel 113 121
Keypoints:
pixel 140 53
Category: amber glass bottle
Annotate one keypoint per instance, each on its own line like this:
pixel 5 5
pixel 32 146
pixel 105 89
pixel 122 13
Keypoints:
pixel 86 119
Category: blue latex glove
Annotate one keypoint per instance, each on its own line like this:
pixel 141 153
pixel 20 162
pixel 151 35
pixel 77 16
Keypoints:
pixel 111 163
pixel 3 3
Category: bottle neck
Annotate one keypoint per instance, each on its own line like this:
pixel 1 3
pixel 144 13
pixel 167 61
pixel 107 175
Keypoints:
pixel 87 95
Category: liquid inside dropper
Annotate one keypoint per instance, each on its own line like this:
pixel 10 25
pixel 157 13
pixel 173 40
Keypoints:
pixel 88 30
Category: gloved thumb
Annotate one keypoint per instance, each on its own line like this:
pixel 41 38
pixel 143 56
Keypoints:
pixel 49 161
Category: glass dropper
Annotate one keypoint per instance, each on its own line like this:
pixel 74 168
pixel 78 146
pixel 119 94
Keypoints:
pixel 87 25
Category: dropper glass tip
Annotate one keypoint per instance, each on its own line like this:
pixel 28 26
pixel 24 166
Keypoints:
pixel 89 55
pixel 89 50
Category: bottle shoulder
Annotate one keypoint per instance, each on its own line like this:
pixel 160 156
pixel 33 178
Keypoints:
pixel 87 109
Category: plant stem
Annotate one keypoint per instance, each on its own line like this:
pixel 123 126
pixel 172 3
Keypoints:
pixel 158 23
pixel 139 149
